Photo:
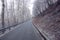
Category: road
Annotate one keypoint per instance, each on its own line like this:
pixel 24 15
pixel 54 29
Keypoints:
pixel 25 31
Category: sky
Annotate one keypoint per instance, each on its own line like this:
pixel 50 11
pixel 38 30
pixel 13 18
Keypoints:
pixel 0 6
pixel 30 4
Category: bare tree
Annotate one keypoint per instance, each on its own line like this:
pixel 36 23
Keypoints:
pixel 49 2
pixel 7 12
pixel 2 15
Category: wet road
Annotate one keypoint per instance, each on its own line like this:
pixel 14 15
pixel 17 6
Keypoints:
pixel 25 31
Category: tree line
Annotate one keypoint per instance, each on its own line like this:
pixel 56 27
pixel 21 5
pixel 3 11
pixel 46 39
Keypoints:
pixel 42 5
pixel 13 12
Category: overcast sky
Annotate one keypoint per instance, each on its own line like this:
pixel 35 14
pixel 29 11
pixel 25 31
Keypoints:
pixel 30 4
pixel 0 6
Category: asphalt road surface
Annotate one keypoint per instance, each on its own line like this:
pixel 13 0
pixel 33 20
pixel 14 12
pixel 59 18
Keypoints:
pixel 25 31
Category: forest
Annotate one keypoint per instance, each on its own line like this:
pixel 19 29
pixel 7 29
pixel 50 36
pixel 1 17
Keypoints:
pixel 14 12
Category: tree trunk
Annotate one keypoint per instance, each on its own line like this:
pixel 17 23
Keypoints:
pixel 2 15
pixel 48 2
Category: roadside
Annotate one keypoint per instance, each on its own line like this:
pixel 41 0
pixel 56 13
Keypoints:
pixel 49 24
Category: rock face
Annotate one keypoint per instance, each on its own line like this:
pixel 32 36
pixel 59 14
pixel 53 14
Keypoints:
pixel 49 24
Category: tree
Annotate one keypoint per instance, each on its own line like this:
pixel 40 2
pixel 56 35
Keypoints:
pixel 49 2
pixel 2 15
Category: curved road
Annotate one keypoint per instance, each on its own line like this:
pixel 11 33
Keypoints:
pixel 25 31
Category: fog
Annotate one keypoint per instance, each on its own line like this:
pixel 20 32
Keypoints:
pixel 19 11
